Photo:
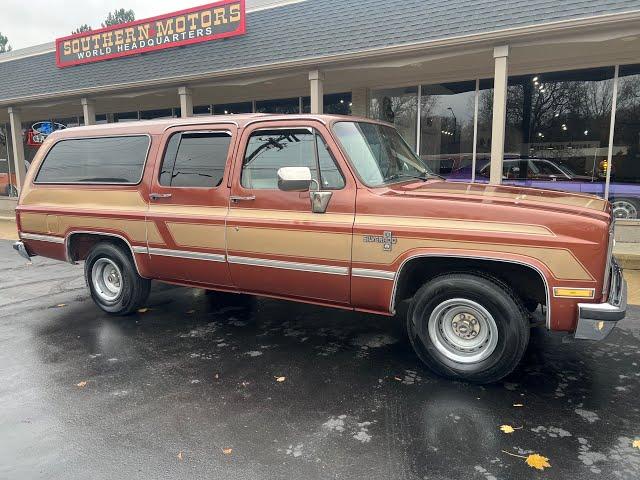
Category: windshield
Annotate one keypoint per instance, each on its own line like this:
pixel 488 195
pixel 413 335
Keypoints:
pixel 379 154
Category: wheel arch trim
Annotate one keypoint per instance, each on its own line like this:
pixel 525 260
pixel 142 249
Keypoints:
pixel 392 302
pixel 71 233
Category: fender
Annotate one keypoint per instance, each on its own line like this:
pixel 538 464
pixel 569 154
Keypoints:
pixel 538 269
pixel 132 249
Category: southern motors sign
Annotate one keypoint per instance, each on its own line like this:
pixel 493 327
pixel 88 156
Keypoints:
pixel 209 22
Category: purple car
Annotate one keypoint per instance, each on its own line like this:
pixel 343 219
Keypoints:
pixel 543 173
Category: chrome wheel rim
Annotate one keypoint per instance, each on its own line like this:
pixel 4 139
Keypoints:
pixel 624 209
pixel 463 330
pixel 106 279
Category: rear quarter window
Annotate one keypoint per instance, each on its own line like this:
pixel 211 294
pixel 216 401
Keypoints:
pixel 95 160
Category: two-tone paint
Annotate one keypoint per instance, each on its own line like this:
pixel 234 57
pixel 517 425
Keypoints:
pixel 268 242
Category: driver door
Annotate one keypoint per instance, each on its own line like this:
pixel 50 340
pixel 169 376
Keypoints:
pixel 275 244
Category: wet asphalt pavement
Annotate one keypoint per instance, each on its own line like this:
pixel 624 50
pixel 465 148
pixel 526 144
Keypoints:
pixel 169 391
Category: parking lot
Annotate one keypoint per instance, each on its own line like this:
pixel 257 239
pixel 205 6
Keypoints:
pixel 199 386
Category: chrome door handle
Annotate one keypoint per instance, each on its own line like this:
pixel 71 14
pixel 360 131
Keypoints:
pixel 237 198
pixel 156 196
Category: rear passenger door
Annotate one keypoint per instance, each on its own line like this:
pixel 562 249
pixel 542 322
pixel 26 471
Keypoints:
pixel 188 202
pixel 276 245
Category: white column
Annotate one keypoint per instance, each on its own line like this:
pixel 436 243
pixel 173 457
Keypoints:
pixel 614 107
pixel 18 145
pixel 88 111
pixel 316 79
pixel 186 102
pixel 501 56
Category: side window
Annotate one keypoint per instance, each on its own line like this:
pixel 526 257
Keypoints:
pixel 195 159
pixel 95 160
pixel 269 150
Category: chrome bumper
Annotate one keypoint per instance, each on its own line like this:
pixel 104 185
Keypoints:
pixel 597 320
pixel 21 249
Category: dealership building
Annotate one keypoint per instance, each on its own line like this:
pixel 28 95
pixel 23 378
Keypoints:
pixel 545 94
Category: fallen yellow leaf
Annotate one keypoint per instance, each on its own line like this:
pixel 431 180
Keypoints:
pixel 81 384
pixel 636 444
pixel 534 460
pixel 143 310
pixel 538 461
pixel 509 428
pixel 227 451
pixel 280 379
pixel 180 456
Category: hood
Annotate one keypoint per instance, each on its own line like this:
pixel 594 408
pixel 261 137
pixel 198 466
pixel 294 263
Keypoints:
pixel 506 194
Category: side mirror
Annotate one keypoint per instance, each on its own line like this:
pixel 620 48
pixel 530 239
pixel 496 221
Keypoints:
pixel 294 179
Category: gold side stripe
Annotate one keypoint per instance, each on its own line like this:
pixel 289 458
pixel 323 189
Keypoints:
pixel 576 200
pixel 454 224
pixel 290 215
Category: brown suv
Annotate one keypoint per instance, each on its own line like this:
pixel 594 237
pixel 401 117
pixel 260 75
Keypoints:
pixel 328 210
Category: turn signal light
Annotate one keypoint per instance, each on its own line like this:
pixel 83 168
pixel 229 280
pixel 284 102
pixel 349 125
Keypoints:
pixel 573 292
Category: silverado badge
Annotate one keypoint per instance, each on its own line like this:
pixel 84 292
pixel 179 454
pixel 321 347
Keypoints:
pixel 386 239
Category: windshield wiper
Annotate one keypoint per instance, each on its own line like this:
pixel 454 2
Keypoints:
pixel 396 176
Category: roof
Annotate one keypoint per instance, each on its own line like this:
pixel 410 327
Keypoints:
pixel 155 127
pixel 312 29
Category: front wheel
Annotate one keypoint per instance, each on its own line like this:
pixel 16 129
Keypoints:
pixel 468 327
pixel 113 280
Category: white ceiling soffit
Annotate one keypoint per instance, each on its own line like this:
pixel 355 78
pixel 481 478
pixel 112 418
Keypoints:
pixel 413 61
pixel 240 82
pixel 159 93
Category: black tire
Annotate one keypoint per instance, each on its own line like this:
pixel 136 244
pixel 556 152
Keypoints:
pixel 504 348
pixel 133 289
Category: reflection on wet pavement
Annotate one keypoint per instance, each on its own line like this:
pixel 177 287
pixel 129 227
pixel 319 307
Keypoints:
pixel 169 391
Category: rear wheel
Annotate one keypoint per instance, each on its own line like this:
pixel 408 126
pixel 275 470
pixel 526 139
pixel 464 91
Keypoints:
pixel 468 326
pixel 113 280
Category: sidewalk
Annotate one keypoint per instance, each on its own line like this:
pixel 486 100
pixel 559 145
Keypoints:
pixel 8 228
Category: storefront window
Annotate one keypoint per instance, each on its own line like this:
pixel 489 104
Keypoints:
pixel 7 175
pixel 624 189
pixel 400 107
pixel 151 114
pixel 337 103
pixel 283 105
pixel 557 132
pixel 232 108
pixel 446 128
pixel 202 110
pixel 126 117
pixel 70 121
pixel 485 119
